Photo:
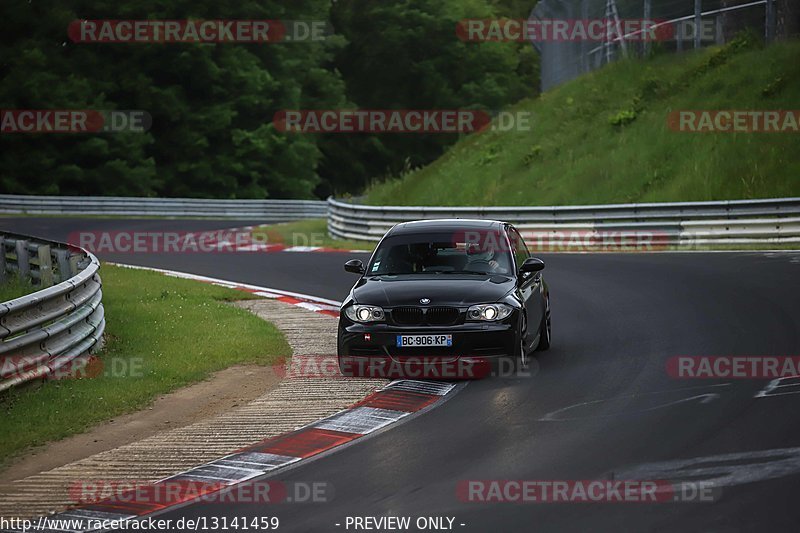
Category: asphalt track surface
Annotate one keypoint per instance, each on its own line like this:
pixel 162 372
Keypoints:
pixel 599 405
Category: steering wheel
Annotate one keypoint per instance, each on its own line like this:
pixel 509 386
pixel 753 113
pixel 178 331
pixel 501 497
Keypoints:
pixel 488 265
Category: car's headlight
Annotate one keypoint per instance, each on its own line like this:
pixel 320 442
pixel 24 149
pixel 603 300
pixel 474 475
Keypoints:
pixel 364 313
pixel 489 312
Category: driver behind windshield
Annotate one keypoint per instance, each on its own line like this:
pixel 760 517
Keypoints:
pixel 487 260
pixel 418 257
pixel 422 254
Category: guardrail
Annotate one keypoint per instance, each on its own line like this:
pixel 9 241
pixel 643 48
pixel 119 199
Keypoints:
pixel 679 225
pixel 43 332
pixel 265 210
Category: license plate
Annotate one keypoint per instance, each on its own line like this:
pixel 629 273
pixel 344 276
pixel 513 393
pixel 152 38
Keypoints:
pixel 410 341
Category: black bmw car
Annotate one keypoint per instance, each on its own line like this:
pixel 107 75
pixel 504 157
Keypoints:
pixel 444 298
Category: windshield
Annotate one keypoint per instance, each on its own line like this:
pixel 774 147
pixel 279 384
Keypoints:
pixel 437 254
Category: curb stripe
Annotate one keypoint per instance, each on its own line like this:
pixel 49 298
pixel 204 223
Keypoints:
pixel 438 388
pixel 398 400
pixel 360 420
pixel 307 443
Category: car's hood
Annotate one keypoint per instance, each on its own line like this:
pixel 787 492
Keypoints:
pixel 388 291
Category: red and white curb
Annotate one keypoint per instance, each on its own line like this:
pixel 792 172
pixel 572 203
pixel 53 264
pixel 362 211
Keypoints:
pixel 386 406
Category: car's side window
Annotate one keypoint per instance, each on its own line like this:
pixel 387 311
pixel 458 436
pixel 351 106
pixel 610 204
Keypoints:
pixel 520 250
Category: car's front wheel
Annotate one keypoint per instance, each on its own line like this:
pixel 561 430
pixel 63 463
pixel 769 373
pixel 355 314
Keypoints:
pixel 522 357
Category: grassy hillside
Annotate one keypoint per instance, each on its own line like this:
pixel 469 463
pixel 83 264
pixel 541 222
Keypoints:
pixel 604 138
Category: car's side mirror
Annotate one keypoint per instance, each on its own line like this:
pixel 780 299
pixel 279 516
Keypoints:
pixel 355 266
pixel 532 264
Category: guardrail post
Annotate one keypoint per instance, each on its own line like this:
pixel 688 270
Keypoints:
pixel 23 261
pixel 45 266
pixel 64 268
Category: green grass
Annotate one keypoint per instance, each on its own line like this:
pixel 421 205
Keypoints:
pixel 14 287
pixel 167 333
pixel 603 138
pixel 311 232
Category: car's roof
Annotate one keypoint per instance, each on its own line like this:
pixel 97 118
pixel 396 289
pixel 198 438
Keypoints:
pixel 445 225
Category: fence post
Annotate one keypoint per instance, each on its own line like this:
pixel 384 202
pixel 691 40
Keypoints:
pixel 769 31
pixel 607 41
pixel 584 43
pixel 698 10
pixel 648 12
pixel 45 266
pixel 23 261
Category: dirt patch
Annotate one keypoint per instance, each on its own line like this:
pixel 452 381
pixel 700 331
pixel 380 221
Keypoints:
pixel 220 393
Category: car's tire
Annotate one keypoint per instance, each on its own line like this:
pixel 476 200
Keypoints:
pixel 545 329
pixel 522 356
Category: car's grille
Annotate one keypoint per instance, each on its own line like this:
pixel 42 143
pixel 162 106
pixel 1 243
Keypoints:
pixel 407 316
pixel 432 316
pixel 441 316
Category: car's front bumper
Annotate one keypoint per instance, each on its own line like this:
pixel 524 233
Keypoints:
pixel 478 349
